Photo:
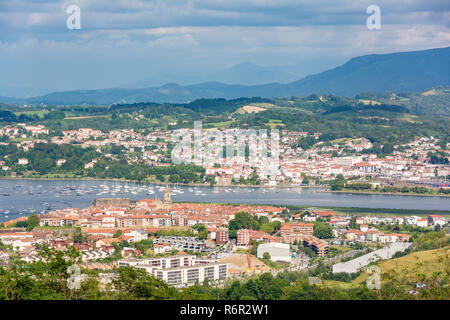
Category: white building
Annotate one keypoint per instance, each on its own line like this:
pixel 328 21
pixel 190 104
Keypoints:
pixel 180 270
pixel 23 161
pixel 278 251
pixel 137 235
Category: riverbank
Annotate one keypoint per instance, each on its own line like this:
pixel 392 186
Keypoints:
pixel 390 193
pixel 339 210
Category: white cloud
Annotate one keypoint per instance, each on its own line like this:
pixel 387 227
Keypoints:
pixel 126 40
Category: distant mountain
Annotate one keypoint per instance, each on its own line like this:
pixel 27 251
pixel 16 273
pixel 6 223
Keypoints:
pixel 377 73
pixel 251 74
pixel 11 100
pixel 22 91
pixel 241 74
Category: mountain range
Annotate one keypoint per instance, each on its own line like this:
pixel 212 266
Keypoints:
pixel 245 73
pixel 412 71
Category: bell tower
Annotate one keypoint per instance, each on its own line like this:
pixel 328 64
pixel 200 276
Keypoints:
pixel 167 196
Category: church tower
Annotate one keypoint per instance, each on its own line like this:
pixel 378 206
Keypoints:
pixel 167 196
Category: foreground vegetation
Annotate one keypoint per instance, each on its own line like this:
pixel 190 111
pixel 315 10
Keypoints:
pixel 48 280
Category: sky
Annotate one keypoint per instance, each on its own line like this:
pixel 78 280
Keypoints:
pixel 126 41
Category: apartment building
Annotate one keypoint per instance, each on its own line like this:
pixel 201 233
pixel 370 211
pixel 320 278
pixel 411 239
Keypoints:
pixel 180 270
pixel 296 231
pixel 190 275
pixel 320 247
pixel 183 243
pixel 243 236
pixel 160 263
pixel 222 236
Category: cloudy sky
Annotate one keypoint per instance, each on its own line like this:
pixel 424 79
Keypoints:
pixel 125 41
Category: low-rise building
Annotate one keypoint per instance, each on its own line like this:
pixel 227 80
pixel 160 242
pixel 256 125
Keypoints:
pixel 279 252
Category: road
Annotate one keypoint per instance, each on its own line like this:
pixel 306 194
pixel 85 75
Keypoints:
pixel 301 264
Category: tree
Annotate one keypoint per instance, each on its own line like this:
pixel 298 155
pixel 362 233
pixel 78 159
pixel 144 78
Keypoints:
pixel 388 148
pixel 353 224
pixel 276 225
pixel 266 256
pixel 78 236
pixel 55 115
pixel 134 283
pixel 322 230
pixel 267 227
pixel 202 231
pixel 269 288
pixel 32 221
pixel 338 183
pixel 243 220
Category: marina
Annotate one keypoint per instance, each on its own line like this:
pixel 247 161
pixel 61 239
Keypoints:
pixel 22 197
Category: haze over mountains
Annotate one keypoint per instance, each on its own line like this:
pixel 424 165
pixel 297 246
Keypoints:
pixel 377 73
pixel 244 73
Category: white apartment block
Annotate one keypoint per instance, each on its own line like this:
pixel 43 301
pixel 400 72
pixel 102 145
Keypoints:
pixel 180 270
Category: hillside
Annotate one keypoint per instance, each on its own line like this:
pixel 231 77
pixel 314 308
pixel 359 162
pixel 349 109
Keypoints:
pixel 410 268
pixel 377 73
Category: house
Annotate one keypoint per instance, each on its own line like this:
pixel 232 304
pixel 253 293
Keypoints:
pixel 108 248
pixel 60 162
pixel 357 235
pixel 136 235
pixel 436 220
pixel 129 252
pixel 161 247
pixel 23 161
pixel 365 167
pixel 107 241
pixel 314 215
pixel 244 235
pixel 60 244
pixel 422 222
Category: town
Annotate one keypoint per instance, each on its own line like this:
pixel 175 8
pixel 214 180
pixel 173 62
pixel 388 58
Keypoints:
pixel 186 243
pixel 410 167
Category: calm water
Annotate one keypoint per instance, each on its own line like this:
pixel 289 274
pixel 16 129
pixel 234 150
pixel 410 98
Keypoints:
pixel 20 198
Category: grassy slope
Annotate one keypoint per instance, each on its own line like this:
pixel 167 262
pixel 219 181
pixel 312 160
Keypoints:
pixel 409 268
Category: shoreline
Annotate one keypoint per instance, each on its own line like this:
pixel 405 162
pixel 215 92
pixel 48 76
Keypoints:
pixel 323 189
pixel 391 193
pixel 168 183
